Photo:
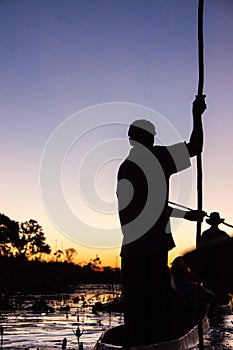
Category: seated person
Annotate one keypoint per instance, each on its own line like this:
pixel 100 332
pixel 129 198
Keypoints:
pixel 185 283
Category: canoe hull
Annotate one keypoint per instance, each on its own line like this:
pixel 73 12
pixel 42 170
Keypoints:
pixel 187 341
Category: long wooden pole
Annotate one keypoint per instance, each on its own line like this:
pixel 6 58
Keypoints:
pixel 200 93
pixel 207 215
pixel 200 48
pixel 199 157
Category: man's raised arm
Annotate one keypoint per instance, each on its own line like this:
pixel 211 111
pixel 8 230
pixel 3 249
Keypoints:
pixel 195 143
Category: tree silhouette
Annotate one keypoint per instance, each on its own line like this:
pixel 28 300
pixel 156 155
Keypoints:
pixel 9 236
pixel 70 254
pixel 31 240
pixel 59 255
pixel 97 263
pixel 94 264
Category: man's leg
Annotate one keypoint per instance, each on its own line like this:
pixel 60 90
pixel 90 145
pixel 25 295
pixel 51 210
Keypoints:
pixel 134 277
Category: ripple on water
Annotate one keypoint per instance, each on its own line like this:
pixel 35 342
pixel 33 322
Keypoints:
pixel 27 330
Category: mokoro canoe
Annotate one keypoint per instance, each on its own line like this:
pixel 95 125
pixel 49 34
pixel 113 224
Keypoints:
pixel 111 336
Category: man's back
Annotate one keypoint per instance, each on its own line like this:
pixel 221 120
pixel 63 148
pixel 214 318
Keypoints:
pixel 213 236
pixel 143 187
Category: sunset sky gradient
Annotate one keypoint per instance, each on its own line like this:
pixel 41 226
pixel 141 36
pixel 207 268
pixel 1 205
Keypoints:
pixel 59 57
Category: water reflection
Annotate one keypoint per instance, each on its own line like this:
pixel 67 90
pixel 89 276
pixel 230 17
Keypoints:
pixel 220 336
pixel 24 329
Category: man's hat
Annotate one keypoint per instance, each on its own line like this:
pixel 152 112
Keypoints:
pixel 214 219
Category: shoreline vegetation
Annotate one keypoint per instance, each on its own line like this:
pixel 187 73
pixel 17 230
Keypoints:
pixel 48 277
pixel 28 264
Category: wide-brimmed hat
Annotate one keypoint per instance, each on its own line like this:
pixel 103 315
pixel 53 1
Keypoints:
pixel 214 218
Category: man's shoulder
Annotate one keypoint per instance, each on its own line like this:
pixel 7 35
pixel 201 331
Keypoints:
pixel 206 233
pixel 223 233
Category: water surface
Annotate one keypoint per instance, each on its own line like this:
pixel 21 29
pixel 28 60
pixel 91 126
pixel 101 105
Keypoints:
pixel 24 329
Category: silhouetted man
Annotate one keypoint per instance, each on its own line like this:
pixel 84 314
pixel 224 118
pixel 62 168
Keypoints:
pixel 213 235
pixel 142 190
pixel 185 283
pixel 214 245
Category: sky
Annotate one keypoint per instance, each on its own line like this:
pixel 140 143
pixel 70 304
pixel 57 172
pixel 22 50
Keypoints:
pixel 73 74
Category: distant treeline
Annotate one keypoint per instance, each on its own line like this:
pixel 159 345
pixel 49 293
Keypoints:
pixel 27 262
pixel 44 277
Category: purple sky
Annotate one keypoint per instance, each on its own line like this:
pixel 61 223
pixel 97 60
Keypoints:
pixel 58 57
